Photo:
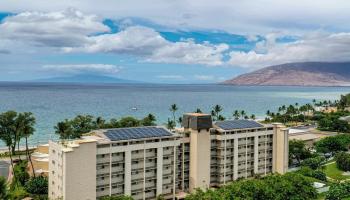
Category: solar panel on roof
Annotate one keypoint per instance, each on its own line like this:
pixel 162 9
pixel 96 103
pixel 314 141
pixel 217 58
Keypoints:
pixel 237 124
pixel 136 133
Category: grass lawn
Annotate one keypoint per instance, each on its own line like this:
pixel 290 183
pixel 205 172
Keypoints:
pixel 335 173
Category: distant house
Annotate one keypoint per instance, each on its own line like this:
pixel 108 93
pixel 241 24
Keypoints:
pixel 326 109
pixel 309 136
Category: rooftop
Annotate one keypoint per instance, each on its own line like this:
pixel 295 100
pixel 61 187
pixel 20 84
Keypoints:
pixel 136 133
pixel 237 124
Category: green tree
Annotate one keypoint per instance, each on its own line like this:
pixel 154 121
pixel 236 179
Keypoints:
pixel 173 109
pixel 339 191
pixel 8 132
pixel 343 161
pixel 21 175
pixel 198 110
pixel 236 114
pixel 129 122
pixel 252 117
pixel 170 124
pixel 27 130
pixel 99 123
pixel 314 163
pixel 277 187
pixel 298 151
pixel 344 101
pixel 18 193
pixel 149 120
pixel 37 185
pixel 216 113
pixel 3 188
pixel 64 130
pixel 333 144
pixel 243 114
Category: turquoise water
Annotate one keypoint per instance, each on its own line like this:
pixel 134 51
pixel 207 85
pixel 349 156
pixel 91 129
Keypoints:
pixel 51 102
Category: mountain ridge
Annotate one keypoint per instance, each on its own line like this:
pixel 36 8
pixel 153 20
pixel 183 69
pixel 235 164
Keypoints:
pixel 297 74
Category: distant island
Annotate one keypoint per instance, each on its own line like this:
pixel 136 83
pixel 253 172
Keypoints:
pixel 84 78
pixel 298 74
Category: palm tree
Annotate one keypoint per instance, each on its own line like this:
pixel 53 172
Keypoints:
pixel 8 132
pixel 216 112
pixel 252 117
pixel 19 124
pixel 99 122
pixel 170 124
pixel 27 131
pixel 198 110
pixel 243 113
pixel 236 114
pixel 173 109
pixel 3 188
pixel 179 120
pixel 64 129
pixel 268 112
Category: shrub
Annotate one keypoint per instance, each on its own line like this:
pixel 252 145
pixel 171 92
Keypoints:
pixel 307 171
pixel 338 191
pixel 277 187
pixel 3 188
pixel 313 163
pixel 37 185
pixel 18 193
pixel 21 174
pixel 343 161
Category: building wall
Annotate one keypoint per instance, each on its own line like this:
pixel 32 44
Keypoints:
pixel 141 169
pixel 184 165
pixel 281 145
pixel 144 169
pixel 200 159
pixel 72 171
pixel 240 154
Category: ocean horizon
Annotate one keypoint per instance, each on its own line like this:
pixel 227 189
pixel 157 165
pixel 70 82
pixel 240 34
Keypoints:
pixel 54 102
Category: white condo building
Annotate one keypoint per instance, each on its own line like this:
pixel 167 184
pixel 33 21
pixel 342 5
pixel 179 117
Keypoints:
pixel 144 162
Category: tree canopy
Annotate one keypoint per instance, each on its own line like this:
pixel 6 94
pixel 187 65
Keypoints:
pixel 277 187
pixel 333 144
pixel 298 151
pixel 81 124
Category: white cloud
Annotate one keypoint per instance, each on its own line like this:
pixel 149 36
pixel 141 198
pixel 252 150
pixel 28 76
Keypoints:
pixel 204 77
pixel 152 47
pixel 173 77
pixel 83 68
pixel 73 31
pixel 314 47
pixel 240 16
pixel 68 28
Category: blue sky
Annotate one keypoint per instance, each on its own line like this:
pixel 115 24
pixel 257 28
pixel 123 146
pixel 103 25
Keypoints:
pixel 167 42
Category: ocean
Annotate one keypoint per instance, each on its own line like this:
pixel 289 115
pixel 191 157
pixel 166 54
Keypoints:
pixel 52 103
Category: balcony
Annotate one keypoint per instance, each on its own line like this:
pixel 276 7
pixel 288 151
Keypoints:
pixel 137 176
pixel 137 186
pixel 103 171
pixel 102 182
pixel 101 160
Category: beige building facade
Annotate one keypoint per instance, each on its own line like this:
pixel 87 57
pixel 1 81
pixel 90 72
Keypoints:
pixel 145 162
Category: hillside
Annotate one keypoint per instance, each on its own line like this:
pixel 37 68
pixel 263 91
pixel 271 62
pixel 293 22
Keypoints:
pixel 298 74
